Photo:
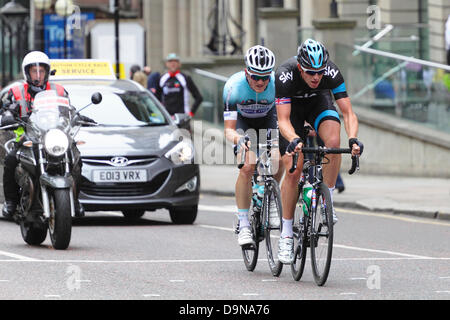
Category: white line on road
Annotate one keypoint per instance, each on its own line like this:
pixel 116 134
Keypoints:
pixel 250 294
pixel 347 293
pixel 149 295
pixel 17 256
pixel 341 246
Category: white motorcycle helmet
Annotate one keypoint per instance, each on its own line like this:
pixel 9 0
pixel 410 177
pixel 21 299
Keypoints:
pixel 35 58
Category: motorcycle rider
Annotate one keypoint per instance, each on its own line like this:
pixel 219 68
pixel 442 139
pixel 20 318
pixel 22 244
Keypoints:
pixel 36 72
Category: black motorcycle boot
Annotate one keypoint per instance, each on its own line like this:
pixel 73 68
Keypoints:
pixel 9 209
pixel 79 209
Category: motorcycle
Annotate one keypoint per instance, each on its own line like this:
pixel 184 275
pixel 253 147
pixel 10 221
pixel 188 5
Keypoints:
pixel 47 153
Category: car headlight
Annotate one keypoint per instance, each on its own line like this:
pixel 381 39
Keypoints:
pixel 182 153
pixel 56 142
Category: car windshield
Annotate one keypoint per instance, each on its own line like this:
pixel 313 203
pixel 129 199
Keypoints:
pixel 119 108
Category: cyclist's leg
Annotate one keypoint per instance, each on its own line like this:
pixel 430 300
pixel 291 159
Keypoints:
pixel 325 120
pixel 243 187
pixel 289 187
pixel 271 123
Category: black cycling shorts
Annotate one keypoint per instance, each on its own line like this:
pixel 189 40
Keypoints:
pixel 314 110
pixel 256 128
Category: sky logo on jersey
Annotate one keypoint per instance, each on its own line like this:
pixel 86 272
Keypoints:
pixel 331 72
pixel 285 76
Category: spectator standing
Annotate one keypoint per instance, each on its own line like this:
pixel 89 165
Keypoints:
pixel 152 79
pixel 141 78
pixel 174 87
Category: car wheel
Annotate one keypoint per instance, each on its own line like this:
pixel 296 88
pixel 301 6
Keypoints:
pixel 133 214
pixel 185 215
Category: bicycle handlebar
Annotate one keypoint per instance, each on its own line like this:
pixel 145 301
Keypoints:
pixel 325 150
pixel 244 154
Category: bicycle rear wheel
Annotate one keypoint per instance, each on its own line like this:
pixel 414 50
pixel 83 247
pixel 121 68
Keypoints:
pixel 322 235
pixel 272 201
pixel 300 246
pixel 250 252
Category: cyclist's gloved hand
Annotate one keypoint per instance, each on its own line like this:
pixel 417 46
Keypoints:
pixel 242 143
pixel 86 119
pixel 293 144
pixel 353 141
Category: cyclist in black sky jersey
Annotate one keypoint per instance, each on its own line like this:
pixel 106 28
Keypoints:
pixel 304 84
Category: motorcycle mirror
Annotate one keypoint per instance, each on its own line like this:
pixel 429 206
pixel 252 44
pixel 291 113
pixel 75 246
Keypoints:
pixel 96 98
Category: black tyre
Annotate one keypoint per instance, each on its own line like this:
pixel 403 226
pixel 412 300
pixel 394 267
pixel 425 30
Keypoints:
pixel 250 252
pixel 272 201
pixel 60 221
pixel 322 235
pixel 133 214
pixel 185 215
pixel 300 246
pixel 33 233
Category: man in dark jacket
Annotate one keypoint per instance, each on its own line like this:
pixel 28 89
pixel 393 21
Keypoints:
pixel 174 87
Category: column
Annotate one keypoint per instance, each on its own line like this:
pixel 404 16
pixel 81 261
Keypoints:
pixel 184 27
pixel 235 12
pixel 290 4
pixel 153 20
pixel 249 24
pixel 170 30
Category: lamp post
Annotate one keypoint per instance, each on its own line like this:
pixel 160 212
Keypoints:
pixel 42 5
pixel 13 14
pixel 64 8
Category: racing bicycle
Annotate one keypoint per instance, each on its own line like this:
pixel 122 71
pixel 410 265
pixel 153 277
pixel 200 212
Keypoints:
pixel 313 227
pixel 260 208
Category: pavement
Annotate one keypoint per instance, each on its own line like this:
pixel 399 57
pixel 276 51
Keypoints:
pixel 417 196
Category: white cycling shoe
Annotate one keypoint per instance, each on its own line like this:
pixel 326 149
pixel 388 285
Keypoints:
pixel 245 237
pixel 286 250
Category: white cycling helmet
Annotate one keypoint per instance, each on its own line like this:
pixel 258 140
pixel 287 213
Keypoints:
pixel 259 60
pixel 35 58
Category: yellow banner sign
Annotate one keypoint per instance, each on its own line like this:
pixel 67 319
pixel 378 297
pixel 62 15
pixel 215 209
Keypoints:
pixel 82 69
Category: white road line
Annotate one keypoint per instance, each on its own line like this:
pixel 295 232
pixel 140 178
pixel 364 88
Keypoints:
pixel 175 280
pixel 250 294
pixel 149 295
pixel 16 256
pixel 347 293
pixel 381 251
pixel 358 278
pixel 232 209
pixel 394 217
pixel 443 291
pixel 341 246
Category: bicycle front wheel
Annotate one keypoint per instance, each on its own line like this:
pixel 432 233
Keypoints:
pixel 272 225
pixel 300 245
pixel 250 252
pixel 322 235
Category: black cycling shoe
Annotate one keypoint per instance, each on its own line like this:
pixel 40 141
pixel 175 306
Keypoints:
pixel 79 209
pixel 9 209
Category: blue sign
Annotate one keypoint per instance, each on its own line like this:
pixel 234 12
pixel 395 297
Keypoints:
pixel 55 33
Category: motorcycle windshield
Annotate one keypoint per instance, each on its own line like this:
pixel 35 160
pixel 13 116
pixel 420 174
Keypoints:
pixel 50 111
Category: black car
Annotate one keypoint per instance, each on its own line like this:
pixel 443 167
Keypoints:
pixel 133 160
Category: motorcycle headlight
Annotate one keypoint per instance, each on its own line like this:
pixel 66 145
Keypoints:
pixel 182 153
pixel 56 142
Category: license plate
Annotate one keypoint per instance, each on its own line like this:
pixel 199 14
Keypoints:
pixel 119 175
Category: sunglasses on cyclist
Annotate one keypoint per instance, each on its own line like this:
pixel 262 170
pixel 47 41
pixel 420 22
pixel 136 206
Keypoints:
pixel 257 78
pixel 313 72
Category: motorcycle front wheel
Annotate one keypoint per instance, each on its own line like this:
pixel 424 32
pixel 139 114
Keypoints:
pixel 60 221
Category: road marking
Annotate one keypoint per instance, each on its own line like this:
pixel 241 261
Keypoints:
pixel 149 295
pixel 444 277
pixel 444 291
pixel 391 216
pixel 52 296
pixel 380 251
pixel 269 280
pixel 341 246
pixel 250 294
pixel 358 278
pixel 233 209
pixel 17 256
pixel 177 280
pixel 347 293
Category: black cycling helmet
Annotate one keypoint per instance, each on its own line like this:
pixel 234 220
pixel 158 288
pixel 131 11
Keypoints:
pixel 312 54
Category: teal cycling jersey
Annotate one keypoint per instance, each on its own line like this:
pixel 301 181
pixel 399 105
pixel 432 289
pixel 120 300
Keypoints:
pixel 239 97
